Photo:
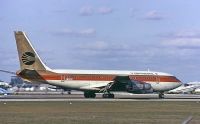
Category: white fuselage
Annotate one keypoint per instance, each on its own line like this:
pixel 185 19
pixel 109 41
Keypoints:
pixel 72 79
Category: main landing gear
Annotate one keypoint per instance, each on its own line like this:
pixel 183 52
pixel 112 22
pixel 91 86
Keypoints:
pixel 89 94
pixel 106 91
pixel 108 95
pixel 161 95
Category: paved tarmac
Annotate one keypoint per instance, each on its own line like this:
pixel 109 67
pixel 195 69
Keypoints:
pixel 118 97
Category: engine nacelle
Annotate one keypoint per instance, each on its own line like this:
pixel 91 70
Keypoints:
pixel 139 87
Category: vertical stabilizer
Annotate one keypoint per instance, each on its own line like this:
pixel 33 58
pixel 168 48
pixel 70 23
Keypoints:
pixel 28 57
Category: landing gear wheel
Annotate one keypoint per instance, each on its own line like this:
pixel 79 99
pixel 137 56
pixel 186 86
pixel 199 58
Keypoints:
pixel 69 92
pixel 161 95
pixel 112 96
pixel 108 95
pixel 89 94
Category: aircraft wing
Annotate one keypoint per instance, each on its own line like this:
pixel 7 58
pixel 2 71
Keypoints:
pixel 124 83
pixel 122 79
pixel 120 83
pixel 9 72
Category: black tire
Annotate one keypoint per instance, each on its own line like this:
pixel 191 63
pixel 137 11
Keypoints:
pixel 108 95
pixel 93 95
pixel 69 92
pixel 89 94
pixel 161 95
pixel 112 95
pixel 86 95
pixel 105 95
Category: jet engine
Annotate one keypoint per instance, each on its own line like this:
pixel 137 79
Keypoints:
pixel 139 87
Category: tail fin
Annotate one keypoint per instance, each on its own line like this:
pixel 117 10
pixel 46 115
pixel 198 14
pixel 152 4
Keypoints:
pixel 28 57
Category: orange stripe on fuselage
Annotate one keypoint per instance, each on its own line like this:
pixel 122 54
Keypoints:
pixel 100 77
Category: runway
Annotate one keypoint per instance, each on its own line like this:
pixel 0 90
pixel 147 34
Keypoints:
pixel 118 97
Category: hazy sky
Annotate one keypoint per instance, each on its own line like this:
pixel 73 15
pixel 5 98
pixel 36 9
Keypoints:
pixel 160 35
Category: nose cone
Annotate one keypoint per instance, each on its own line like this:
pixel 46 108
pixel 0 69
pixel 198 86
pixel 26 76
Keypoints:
pixel 179 84
pixel 176 83
pixel 177 80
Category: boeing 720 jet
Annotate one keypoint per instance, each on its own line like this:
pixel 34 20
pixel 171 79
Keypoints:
pixel 90 82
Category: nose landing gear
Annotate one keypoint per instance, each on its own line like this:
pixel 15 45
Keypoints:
pixel 161 95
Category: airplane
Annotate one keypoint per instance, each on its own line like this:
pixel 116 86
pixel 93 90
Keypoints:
pixel 197 91
pixel 186 88
pixel 33 69
pixel 4 91
pixel 4 84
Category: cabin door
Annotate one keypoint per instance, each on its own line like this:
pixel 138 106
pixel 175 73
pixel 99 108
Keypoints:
pixel 62 78
pixel 157 79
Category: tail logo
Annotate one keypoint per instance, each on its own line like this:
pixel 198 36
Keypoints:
pixel 28 58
